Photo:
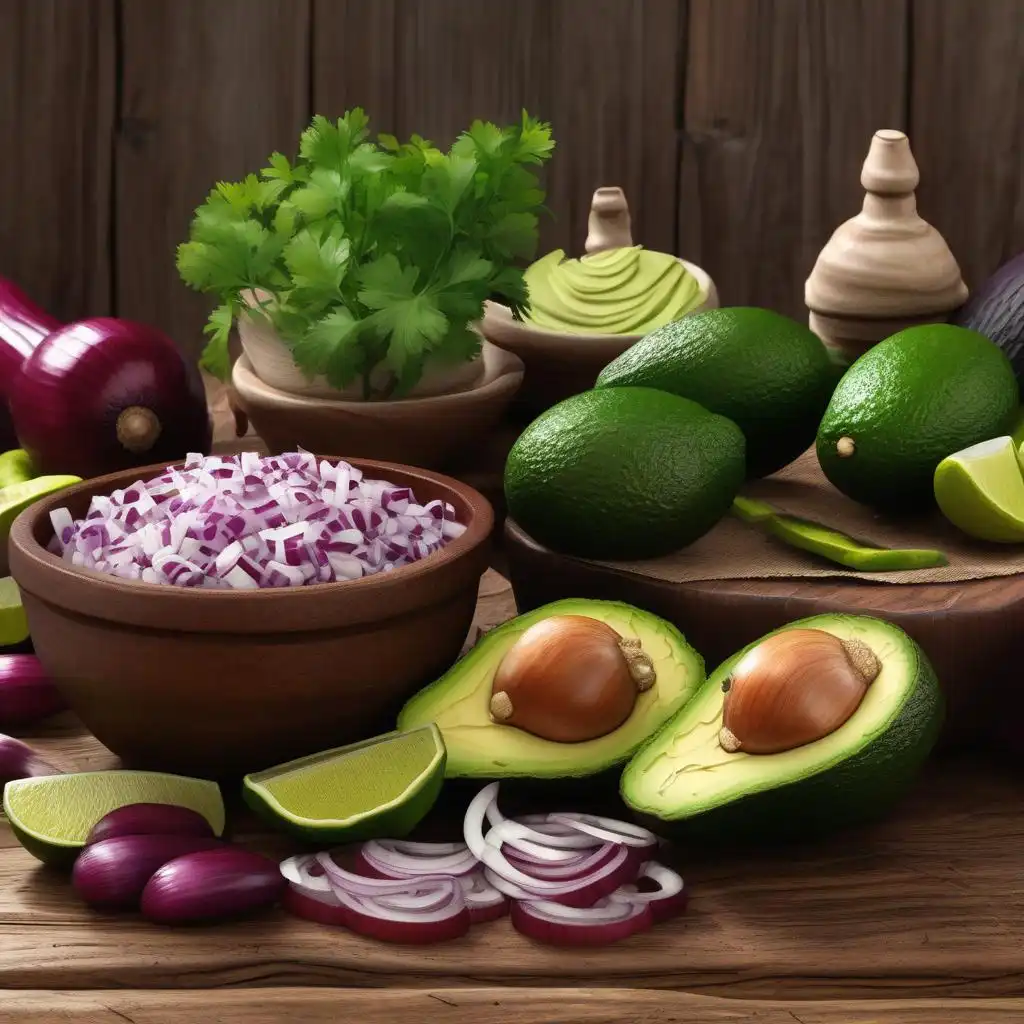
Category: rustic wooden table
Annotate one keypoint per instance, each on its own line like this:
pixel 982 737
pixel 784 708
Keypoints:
pixel 918 921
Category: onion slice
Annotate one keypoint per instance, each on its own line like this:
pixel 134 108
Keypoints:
pixel 600 925
pixel 608 830
pixel 668 899
pixel 397 859
pixel 582 890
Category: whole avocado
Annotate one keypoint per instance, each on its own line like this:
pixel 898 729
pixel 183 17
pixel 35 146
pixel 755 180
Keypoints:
pixel 623 473
pixel 907 403
pixel 767 373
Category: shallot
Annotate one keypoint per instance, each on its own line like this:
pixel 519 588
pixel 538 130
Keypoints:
pixel 244 522
pixel 565 879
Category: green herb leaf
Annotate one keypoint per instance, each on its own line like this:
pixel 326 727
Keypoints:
pixel 375 255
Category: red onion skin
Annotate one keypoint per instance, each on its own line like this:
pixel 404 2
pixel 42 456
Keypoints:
pixel 552 933
pixel 212 885
pixel 481 915
pixel 26 693
pixel 19 761
pixel 69 393
pixel 298 904
pixel 23 325
pixel 150 820
pixel 112 874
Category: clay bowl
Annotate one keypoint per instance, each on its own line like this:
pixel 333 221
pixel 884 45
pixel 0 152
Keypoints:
pixel 427 431
pixel 559 364
pixel 216 684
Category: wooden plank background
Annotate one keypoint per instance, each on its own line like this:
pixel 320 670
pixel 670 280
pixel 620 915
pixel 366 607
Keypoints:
pixel 737 127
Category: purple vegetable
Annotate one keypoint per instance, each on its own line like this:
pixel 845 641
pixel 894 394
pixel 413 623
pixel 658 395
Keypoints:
pixel 244 522
pixel 112 874
pixel 19 761
pixel 26 692
pixel 150 820
pixel 996 309
pixel 23 325
pixel 212 885
pixel 103 395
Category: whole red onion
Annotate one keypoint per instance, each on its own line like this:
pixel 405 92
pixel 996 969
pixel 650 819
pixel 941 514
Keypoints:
pixel 23 325
pixel 102 395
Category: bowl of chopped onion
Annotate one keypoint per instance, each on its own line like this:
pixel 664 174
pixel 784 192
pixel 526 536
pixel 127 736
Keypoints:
pixel 228 613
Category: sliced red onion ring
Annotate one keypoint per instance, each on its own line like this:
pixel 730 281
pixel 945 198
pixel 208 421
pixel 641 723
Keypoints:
pixel 668 899
pixel 580 865
pixel 397 859
pixel 547 835
pixel 517 837
pixel 583 890
pixel 372 918
pixel 484 901
pixel 600 925
pixel 304 871
pixel 608 830
pixel 360 885
pixel 323 908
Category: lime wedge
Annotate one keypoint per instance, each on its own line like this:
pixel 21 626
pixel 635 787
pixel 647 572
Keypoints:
pixel 13 624
pixel 981 491
pixel 15 467
pixel 15 498
pixel 382 787
pixel 53 815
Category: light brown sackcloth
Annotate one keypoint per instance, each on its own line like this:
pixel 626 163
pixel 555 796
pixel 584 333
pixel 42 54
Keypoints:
pixel 738 550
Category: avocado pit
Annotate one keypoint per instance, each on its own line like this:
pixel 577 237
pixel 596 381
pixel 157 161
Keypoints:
pixel 569 679
pixel 794 688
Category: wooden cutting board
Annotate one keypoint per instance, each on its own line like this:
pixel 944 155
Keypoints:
pixel 972 631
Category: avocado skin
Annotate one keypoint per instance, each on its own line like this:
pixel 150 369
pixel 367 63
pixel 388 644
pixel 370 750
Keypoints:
pixel 909 402
pixel 623 473
pixel 860 790
pixel 769 374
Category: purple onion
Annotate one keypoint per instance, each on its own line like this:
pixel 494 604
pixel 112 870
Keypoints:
pixel 150 820
pixel 212 885
pixel 19 761
pixel 112 874
pixel 26 692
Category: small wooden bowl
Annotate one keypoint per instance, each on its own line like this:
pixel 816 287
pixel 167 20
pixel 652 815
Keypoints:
pixel 427 431
pixel 559 364
pixel 216 683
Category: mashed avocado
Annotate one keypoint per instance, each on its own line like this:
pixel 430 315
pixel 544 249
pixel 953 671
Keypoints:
pixel 617 291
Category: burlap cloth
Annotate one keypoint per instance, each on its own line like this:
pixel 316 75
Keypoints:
pixel 738 550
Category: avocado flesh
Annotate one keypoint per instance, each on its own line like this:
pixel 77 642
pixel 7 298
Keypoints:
pixel 682 777
pixel 477 747
pixel 617 291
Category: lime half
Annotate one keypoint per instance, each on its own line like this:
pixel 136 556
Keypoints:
pixel 53 815
pixel 981 491
pixel 382 787
pixel 13 624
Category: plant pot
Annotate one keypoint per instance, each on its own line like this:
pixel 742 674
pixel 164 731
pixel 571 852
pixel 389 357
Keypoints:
pixel 559 364
pixel 271 361
pixel 428 431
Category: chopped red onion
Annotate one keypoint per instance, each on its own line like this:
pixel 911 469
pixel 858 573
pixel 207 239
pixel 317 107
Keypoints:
pixel 244 522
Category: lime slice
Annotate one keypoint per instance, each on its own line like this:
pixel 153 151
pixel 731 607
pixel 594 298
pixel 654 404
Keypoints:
pixel 981 491
pixel 15 467
pixel 13 624
pixel 382 787
pixel 15 498
pixel 53 815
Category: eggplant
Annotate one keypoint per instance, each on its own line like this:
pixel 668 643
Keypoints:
pixel 996 310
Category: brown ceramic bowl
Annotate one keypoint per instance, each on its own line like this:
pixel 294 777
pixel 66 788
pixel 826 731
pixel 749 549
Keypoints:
pixel 216 684
pixel 427 431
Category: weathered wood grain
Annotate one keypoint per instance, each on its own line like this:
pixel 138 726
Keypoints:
pixel 57 87
pixel 967 127
pixel 781 100
pixel 353 55
pixel 209 89
pixel 486 1006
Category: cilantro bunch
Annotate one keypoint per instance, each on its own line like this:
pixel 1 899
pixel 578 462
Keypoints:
pixel 371 254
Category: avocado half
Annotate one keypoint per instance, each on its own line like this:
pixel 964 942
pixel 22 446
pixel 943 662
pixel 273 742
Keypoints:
pixel 684 785
pixel 478 747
